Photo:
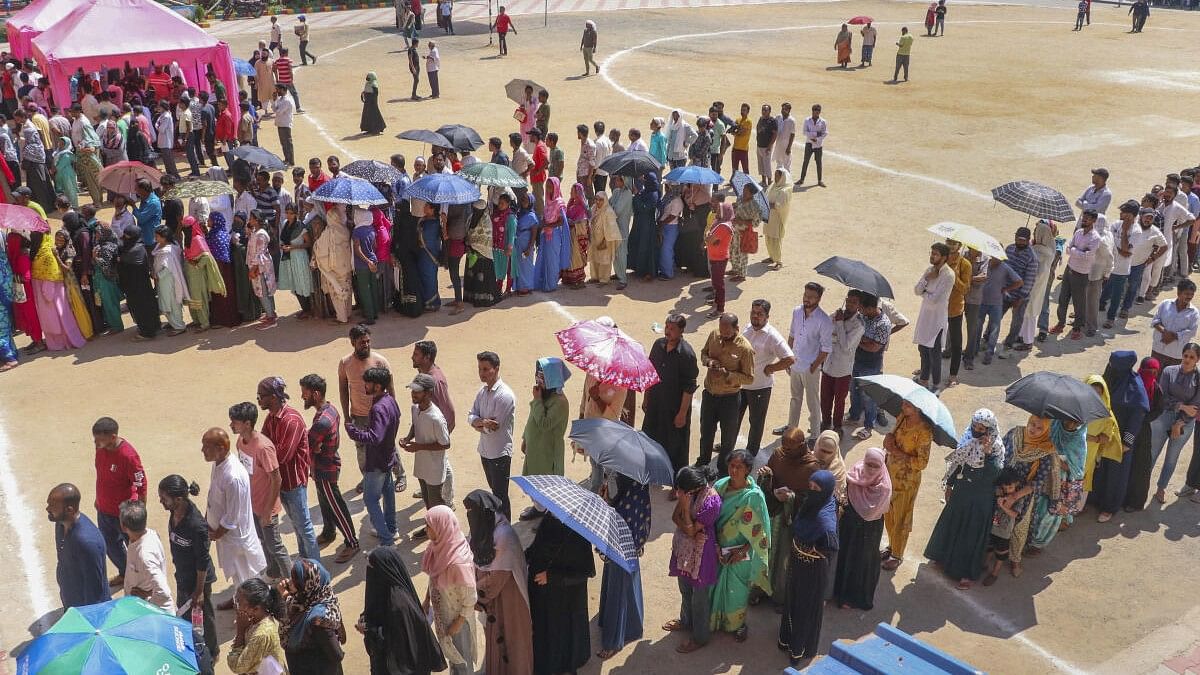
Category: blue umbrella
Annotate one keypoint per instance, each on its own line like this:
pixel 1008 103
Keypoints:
pixel 243 67
pixel 443 188
pixel 619 447
pixel 694 174
pixel 585 513
pixel 349 190
pixel 739 181
pixel 889 390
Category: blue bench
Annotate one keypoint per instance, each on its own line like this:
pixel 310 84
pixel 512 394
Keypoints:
pixel 888 652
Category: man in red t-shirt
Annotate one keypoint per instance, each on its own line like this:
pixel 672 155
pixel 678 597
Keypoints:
pixel 503 25
pixel 158 82
pixel 119 476
pixel 540 155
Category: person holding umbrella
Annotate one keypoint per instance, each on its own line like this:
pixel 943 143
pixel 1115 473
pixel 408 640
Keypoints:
pixel 907 449
pixel 869 35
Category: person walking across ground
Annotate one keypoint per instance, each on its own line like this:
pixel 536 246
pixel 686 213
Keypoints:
pixel 1081 11
pixel 502 26
pixel 587 45
pixel 815 131
pixel 302 33
pixel 939 18
pixel 282 68
pixel 903 52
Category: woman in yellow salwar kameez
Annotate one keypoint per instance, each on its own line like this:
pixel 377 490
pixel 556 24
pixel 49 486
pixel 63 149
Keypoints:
pixel 907 454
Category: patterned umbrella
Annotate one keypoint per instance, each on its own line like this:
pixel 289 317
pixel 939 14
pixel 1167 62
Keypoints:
pixel 463 138
pixel 198 188
pixel 607 354
pixel 443 188
pixel 493 175
pixel 349 190
pixel 617 446
pixel 585 513
pixel 694 174
pixel 122 177
pixel 373 171
pixel 739 181
pixel 970 236
pixel 256 156
pixel 21 219
pixel 1035 199
pixel 889 390
pixel 630 163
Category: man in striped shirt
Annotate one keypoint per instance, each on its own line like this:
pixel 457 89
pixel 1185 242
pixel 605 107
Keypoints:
pixel 285 427
pixel 283 75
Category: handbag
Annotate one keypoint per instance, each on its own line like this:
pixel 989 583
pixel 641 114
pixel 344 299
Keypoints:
pixel 749 240
pixel 19 295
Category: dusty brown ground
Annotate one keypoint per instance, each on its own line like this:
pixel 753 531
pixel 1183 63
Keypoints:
pixel 1009 93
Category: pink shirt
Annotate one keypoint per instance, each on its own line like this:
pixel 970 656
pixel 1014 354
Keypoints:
pixel 258 456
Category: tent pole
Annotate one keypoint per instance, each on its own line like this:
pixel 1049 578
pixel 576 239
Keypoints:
pixel 489 22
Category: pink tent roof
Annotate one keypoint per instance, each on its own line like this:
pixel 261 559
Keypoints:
pixel 35 18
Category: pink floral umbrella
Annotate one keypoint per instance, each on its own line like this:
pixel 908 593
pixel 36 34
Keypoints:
pixel 607 354
pixel 21 219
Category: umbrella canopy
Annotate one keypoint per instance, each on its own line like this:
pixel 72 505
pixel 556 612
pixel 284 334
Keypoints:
pixel 243 67
pixel 425 136
pixel 515 90
pixel 607 354
pixel 585 513
pixel 739 181
pixel 889 390
pixel 971 236
pixel 1035 199
pixel 463 138
pixel 860 20
pixel 373 171
pixel 1056 396
pixel 128 636
pixel 122 177
pixel 22 219
pixel 492 175
pixel 619 447
pixel 349 190
pixel 631 163
pixel 856 274
pixel 256 156
pixel 694 174
pixel 443 188
pixel 198 188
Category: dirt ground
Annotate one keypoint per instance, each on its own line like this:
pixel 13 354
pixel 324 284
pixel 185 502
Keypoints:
pixel 1009 93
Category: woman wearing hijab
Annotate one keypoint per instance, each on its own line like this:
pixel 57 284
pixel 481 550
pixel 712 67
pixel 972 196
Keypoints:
pixel 552 240
pixel 480 286
pixel 312 632
pixel 621 203
pixel 24 308
pixel 621 608
pixel 65 181
pixel 1103 435
pixel 525 244
pixel 452 592
pixel 59 326
pixel 295 274
pixel 201 273
pixel 167 270
pixel 504 238
pixel 658 140
pixel 1070 442
pixel 1141 465
pixel 560 564
pixel 398 638
pixel 814 540
pixel 784 483
pixel 842 44
pixel 1031 453
pixel 907 448
pixel 502 577
pixel 371 121
pixel 8 348
pixel 575 271
pixel 828 451
pixel 224 308
pixel 643 238
pixel 105 251
pixel 868 492
pixel 542 442
pixel 606 237
pixel 779 196
pixel 1129 406
pixel 386 288
pixel 960 537
pixel 745 543
pixel 405 252
pixel 133 275
pixel 694 553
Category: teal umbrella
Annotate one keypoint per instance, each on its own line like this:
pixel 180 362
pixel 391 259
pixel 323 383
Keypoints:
pixel 128 636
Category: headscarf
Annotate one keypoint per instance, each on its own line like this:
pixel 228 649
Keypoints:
pixel 792 468
pixel 395 619
pixel 554 372
pixel 815 523
pixel 577 206
pixel 133 252
pixel 448 562
pixel 495 544
pixel 632 503
pixel 869 488
pixel 1149 371
pixel 315 599
pixel 1072 446
pixel 218 236
pixel 1109 426
pixel 828 452
pixel 647 194
pixel 973 452
pixel 1130 403
pixel 552 213
pixel 372 84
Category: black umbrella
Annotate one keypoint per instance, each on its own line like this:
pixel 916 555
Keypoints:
pixel 373 171
pixel 1035 199
pixel 630 163
pixel 426 136
pixel 464 138
pixel 1056 396
pixel 255 155
pixel 856 274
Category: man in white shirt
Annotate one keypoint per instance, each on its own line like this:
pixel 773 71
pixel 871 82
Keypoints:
pixel 429 439
pixel 284 109
pixel 848 330
pixel 493 414
pixel 933 288
pixel 771 355
pixel 785 137
pixel 869 35
pixel 1177 224
pixel 164 128
pixel 1174 325
pixel 635 141
pixel 1081 252
pixel 604 148
pixel 146 563
pixel 1135 245
pixel 1097 197
pixel 810 339
pixel 230 514
pixel 1102 267
pixel 815 131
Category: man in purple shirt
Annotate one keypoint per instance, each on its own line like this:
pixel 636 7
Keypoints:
pixel 379 437
pixel 1081 251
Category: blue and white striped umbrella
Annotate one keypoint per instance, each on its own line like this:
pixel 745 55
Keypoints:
pixel 585 513
pixel 443 188
pixel 349 190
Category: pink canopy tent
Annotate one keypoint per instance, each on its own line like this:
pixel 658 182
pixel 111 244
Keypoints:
pixel 34 19
pixel 106 33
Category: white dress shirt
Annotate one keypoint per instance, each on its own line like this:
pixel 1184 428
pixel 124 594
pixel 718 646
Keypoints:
pixel 847 333
pixel 769 347
pixel 603 150
pixel 811 335
pixel 815 131
pixel 1181 322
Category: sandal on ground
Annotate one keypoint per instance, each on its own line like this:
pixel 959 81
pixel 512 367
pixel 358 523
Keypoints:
pixel 890 564
pixel 862 434
pixel 456 309
pixel 741 634
pixel 1017 570
pixel 606 654
pixel 963 585
pixel 1104 517
pixel 673 625
pixel 688 647
pixel 8 366
pixel 989 579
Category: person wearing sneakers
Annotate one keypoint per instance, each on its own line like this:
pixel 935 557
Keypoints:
pixel 428 439
pixel 1081 253
pixel 324 439
pixel 356 405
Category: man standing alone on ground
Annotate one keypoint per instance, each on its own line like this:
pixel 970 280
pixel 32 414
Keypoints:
pixel 869 35
pixel 285 427
pixel 493 415
pixel 815 131
pixel 119 476
pixel 903 51
pixel 80 549
pixel 771 355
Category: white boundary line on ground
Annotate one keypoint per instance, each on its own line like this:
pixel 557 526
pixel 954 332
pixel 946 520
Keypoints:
pixel 20 517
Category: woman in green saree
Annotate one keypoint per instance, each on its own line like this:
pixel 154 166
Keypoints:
pixel 744 538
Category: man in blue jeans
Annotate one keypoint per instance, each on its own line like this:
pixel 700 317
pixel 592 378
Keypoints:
pixel 868 360
pixel 379 437
pixel 1136 246
pixel 1001 281
pixel 287 430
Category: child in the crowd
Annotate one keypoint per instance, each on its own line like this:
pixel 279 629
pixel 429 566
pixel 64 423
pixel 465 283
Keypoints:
pixel 1010 489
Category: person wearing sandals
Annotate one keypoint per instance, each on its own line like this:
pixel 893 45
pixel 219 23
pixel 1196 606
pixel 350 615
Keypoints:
pixel 1010 489
pixel 907 450
pixel 960 538
pixel 694 553
pixel 814 541
pixel 744 538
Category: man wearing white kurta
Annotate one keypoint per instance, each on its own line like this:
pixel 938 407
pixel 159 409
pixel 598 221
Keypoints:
pixel 934 290
pixel 229 513
pixel 1044 234
pixel 785 137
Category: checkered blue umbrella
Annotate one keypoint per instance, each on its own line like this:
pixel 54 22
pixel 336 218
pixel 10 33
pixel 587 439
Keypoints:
pixel 1035 199
pixel 739 181
pixel 349 190
pixel 443 188
pixel 585 513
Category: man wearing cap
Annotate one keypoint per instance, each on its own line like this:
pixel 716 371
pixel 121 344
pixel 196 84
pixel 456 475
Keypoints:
pixel 1024 261
pixel 1097 197
pixel 1135 245
pixel 1081 252
pixel 428 438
